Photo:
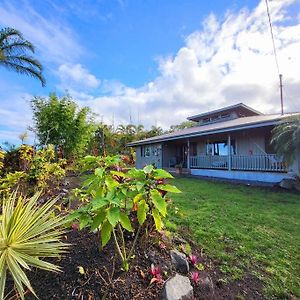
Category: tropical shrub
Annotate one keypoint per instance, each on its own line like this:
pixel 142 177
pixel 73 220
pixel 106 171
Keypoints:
pixel 118 200
pixel 2 155
pixel 37 170
pixel 28 233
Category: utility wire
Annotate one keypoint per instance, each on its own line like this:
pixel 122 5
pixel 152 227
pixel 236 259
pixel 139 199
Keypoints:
pixel 272 35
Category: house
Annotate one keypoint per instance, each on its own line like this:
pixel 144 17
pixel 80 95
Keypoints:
pixel 232 142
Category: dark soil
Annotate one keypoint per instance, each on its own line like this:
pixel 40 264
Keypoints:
pixel 104 280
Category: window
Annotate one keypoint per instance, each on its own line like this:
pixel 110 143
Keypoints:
pixel 220 148
pixel 145 151
pixel 193 149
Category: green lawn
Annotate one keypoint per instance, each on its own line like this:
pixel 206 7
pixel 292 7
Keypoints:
pixel 246 229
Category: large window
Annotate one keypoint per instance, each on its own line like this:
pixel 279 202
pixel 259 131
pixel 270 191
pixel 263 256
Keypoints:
pixel 220 148
pixel 145 151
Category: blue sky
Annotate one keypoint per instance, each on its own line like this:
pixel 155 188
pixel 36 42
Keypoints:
pixel 154 62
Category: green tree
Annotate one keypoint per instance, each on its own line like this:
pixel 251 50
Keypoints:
pixel 183 125
pixel 59 121
pixel 286 138
pixel 14 54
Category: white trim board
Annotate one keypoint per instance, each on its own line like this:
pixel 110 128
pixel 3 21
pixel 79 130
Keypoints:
pixel 269 177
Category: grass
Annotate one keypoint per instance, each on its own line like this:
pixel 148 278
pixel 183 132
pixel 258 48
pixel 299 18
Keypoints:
pixel 246 229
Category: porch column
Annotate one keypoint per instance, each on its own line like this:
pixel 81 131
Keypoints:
pixel 229 152
pixel 188 154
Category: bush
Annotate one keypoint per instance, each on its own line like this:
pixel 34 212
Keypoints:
pixel 118 200
pixel 28 232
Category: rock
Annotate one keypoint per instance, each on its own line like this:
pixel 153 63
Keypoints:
pixel 178 240
pixel 207 284
pixel 180 262
pixel 178 288
pixel 65 191
pixel 287 183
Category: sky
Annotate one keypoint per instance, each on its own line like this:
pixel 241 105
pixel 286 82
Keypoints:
pixel 153 62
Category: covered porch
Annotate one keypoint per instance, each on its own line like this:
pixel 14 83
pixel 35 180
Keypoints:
pixel 248 151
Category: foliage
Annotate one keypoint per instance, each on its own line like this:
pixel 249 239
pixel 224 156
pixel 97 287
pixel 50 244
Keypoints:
pixel 2 155
pixel 14 55
pixel 119 200
pixel 28 232
pixel 248 230
pixel 60 122
pixel 183 125
pixel 37 170
pixel 286 138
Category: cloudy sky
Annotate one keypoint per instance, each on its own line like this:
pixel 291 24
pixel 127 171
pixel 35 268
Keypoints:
pixel 153 62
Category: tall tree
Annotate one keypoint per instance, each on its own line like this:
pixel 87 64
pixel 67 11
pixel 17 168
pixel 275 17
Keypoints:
pixel 60 122
pixel 14 55
pixel 286 138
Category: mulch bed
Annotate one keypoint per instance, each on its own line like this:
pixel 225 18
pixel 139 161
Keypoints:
pixel 103 279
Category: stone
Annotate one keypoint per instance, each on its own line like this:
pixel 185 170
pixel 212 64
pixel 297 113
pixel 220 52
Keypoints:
pixel 207 284
pixel 65 191
pixel 178 288
pixel 287 183
pixel 152 257
pixel 178 240
pixel 179 261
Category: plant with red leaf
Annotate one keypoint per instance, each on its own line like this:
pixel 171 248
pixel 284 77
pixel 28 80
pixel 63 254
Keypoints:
pixel 75 226
pixel 155 273
pixel 193 259
pixel 195 276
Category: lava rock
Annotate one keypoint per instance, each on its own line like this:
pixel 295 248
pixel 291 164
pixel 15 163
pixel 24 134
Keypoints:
pixel 178 288
pixel 180 262
pixel 207 284
pixel 287 183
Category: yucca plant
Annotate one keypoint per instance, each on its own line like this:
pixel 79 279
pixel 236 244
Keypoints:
pixel 28 232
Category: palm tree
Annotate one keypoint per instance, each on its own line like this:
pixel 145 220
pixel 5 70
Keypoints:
pixel 286 138
pixel 14 54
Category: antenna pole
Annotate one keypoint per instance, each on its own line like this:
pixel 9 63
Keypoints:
pixel 281 97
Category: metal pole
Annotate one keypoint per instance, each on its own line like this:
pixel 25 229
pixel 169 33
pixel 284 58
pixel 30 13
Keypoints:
pixel 281 97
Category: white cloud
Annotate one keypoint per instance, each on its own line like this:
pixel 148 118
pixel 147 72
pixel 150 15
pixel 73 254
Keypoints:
pixel 224 63
pixel 76 74
pixel 55 41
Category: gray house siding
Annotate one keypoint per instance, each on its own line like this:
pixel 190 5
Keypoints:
pixel 149 155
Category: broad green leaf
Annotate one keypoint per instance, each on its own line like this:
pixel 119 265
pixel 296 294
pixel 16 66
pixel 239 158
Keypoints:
pixel 139 186
pixel 99 172
pixel 148 169
pixel 137 174
pixel 161 174
pixel 137 198
pixel 84 220
pixel 125 222
pixel 142 211
pixel 111 183
pixel 168 188
pixel 113 215
pixel 98 220
pixel 159 202
pixel 157 219
pixel 106 231
pixel 98 203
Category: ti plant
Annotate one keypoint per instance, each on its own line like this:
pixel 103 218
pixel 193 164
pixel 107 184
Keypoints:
pixel 115 197
pixel 28 232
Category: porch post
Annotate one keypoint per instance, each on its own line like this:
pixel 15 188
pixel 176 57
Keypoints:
pixel 229 152
pixel 188 154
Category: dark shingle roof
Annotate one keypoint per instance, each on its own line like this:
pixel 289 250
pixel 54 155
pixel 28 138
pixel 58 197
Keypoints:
pixel 225 126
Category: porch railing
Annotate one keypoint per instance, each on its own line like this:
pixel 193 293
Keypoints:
pixel 267 162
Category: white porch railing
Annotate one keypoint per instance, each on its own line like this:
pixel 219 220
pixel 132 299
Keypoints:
pixel 209 161
pixel 267 162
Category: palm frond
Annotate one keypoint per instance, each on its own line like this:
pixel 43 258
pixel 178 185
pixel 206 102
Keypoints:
pixel 25 70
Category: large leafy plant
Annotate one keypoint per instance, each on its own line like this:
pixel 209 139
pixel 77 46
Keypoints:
pixel 115 197
pixel 28 232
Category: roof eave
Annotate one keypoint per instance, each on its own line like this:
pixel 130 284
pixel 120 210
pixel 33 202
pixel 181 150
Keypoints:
pixel 209 132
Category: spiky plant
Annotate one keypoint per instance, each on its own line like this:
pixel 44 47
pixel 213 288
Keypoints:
pixel 28 233
pixel 286 138
pixel 14 54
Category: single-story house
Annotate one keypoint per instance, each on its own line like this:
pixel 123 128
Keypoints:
pixel 232 142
